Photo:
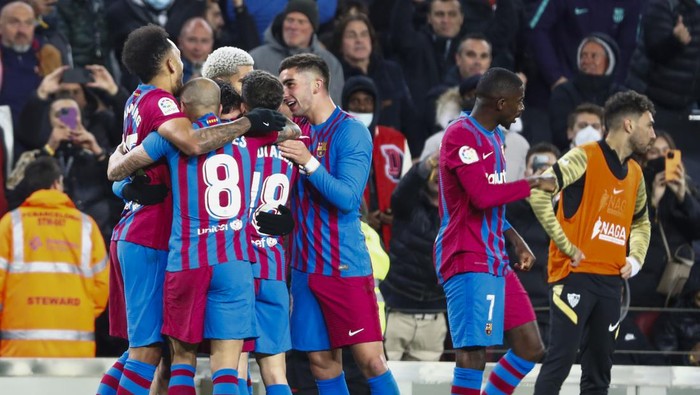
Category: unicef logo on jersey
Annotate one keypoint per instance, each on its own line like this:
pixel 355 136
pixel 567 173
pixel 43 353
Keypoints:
pixel 236 225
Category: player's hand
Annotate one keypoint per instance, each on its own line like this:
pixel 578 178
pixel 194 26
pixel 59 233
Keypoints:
pixel 296 151
pixel 373 220
pixel 102 79
pixel 630 269
pixel 525 257
pixel 51 83
pixel 263 120
pixel 140 191
pixel 577 258
pixel 544 182
pixel 386 217
pixel 275 224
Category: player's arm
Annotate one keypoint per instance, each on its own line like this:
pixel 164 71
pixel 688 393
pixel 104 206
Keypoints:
pixel 641 229
pixel 525 256
pixel 459 156
pixel 352 146
pixel 568 169
pixel 179 131
pixel 344 189
pixel 148 152
pixel 291 131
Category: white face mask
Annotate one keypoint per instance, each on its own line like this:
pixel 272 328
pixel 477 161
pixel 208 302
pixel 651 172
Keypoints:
pixel 587 135
pixel 159 5
pixel 364 117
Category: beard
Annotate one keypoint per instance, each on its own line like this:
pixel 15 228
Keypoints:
pixel 177 89
pixel 20 48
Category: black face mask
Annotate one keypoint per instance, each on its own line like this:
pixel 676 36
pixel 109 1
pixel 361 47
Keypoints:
pixel 652 168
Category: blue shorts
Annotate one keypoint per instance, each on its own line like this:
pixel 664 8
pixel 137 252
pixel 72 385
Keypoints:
pixel 143 273
pixel 475 306
pixel 272 314
pixel 212 302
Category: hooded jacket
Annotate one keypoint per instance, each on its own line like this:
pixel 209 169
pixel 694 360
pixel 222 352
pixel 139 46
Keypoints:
pixel 680 331
pixel 583 88
pixel 391 158
pixel 269 56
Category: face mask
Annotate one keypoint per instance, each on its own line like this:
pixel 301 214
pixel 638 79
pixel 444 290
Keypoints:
pixel 364 117
pixel 587 135
pixel 159 5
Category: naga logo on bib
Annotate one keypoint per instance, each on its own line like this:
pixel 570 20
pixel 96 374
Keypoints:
pixel 610 232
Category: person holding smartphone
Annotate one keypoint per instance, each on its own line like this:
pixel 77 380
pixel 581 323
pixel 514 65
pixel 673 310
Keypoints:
pixel 674 204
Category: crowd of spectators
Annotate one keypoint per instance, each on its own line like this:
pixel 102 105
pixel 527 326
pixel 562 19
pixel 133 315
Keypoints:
pixel 408 68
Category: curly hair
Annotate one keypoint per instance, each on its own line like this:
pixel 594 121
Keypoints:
pixel 225 61
pixel 262 90
pixel 144 51
pixel 624 104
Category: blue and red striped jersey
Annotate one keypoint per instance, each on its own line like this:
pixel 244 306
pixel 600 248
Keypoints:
pixel 273 180
pixel 211 195
pixel 327 238
pixel 147 109
pixel 473 194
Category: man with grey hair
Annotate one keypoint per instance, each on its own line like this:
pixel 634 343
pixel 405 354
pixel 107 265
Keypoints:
pixel 229 64
pixel 23 65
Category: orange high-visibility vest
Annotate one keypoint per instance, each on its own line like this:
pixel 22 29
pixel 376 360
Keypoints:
pixel 53 279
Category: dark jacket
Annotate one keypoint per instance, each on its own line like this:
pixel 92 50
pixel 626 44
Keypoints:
pixel 424 59
pixel 681 224
pixel 558 26
pixel 124 16
pixel 674 69
pixel 411 285
pixel 583 88
pixel 394 97
pixel 84 24
pixel 499 26
pixel 680 331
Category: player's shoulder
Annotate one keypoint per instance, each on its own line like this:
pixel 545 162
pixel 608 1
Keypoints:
pixel 461 132
pixel 162 100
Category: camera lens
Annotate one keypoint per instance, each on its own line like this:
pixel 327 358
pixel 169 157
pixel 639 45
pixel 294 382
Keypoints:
pixel 670 155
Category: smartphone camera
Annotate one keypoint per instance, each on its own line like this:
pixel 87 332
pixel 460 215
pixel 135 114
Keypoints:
pixel 539 161
pixel 670 154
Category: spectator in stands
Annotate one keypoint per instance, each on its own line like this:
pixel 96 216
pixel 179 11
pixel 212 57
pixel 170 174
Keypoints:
pixel 355 44
pixel 243 33
pixel 25 58
pixel 196 41
pixel 681 331
pixel 671 41
pixel 673 206
pixel 264 12
pixel 391 158
pixel 416 324
pixel 100 99
pixel 125 16
pixel 555 32
pixel 83 164
pixel 47 22
pixel 84 24
pixel 584 125
pixel 293 32
pixel 540 157
pixel 592 83
pixel 498 21
pixel 473 57
pixel 53 276
pixel 425 54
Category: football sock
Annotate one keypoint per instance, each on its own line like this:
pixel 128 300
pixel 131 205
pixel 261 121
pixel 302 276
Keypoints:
pixel 383 384
pixel 110 381
pixel 507 374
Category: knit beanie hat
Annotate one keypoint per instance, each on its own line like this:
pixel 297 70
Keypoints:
pixel 306 7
